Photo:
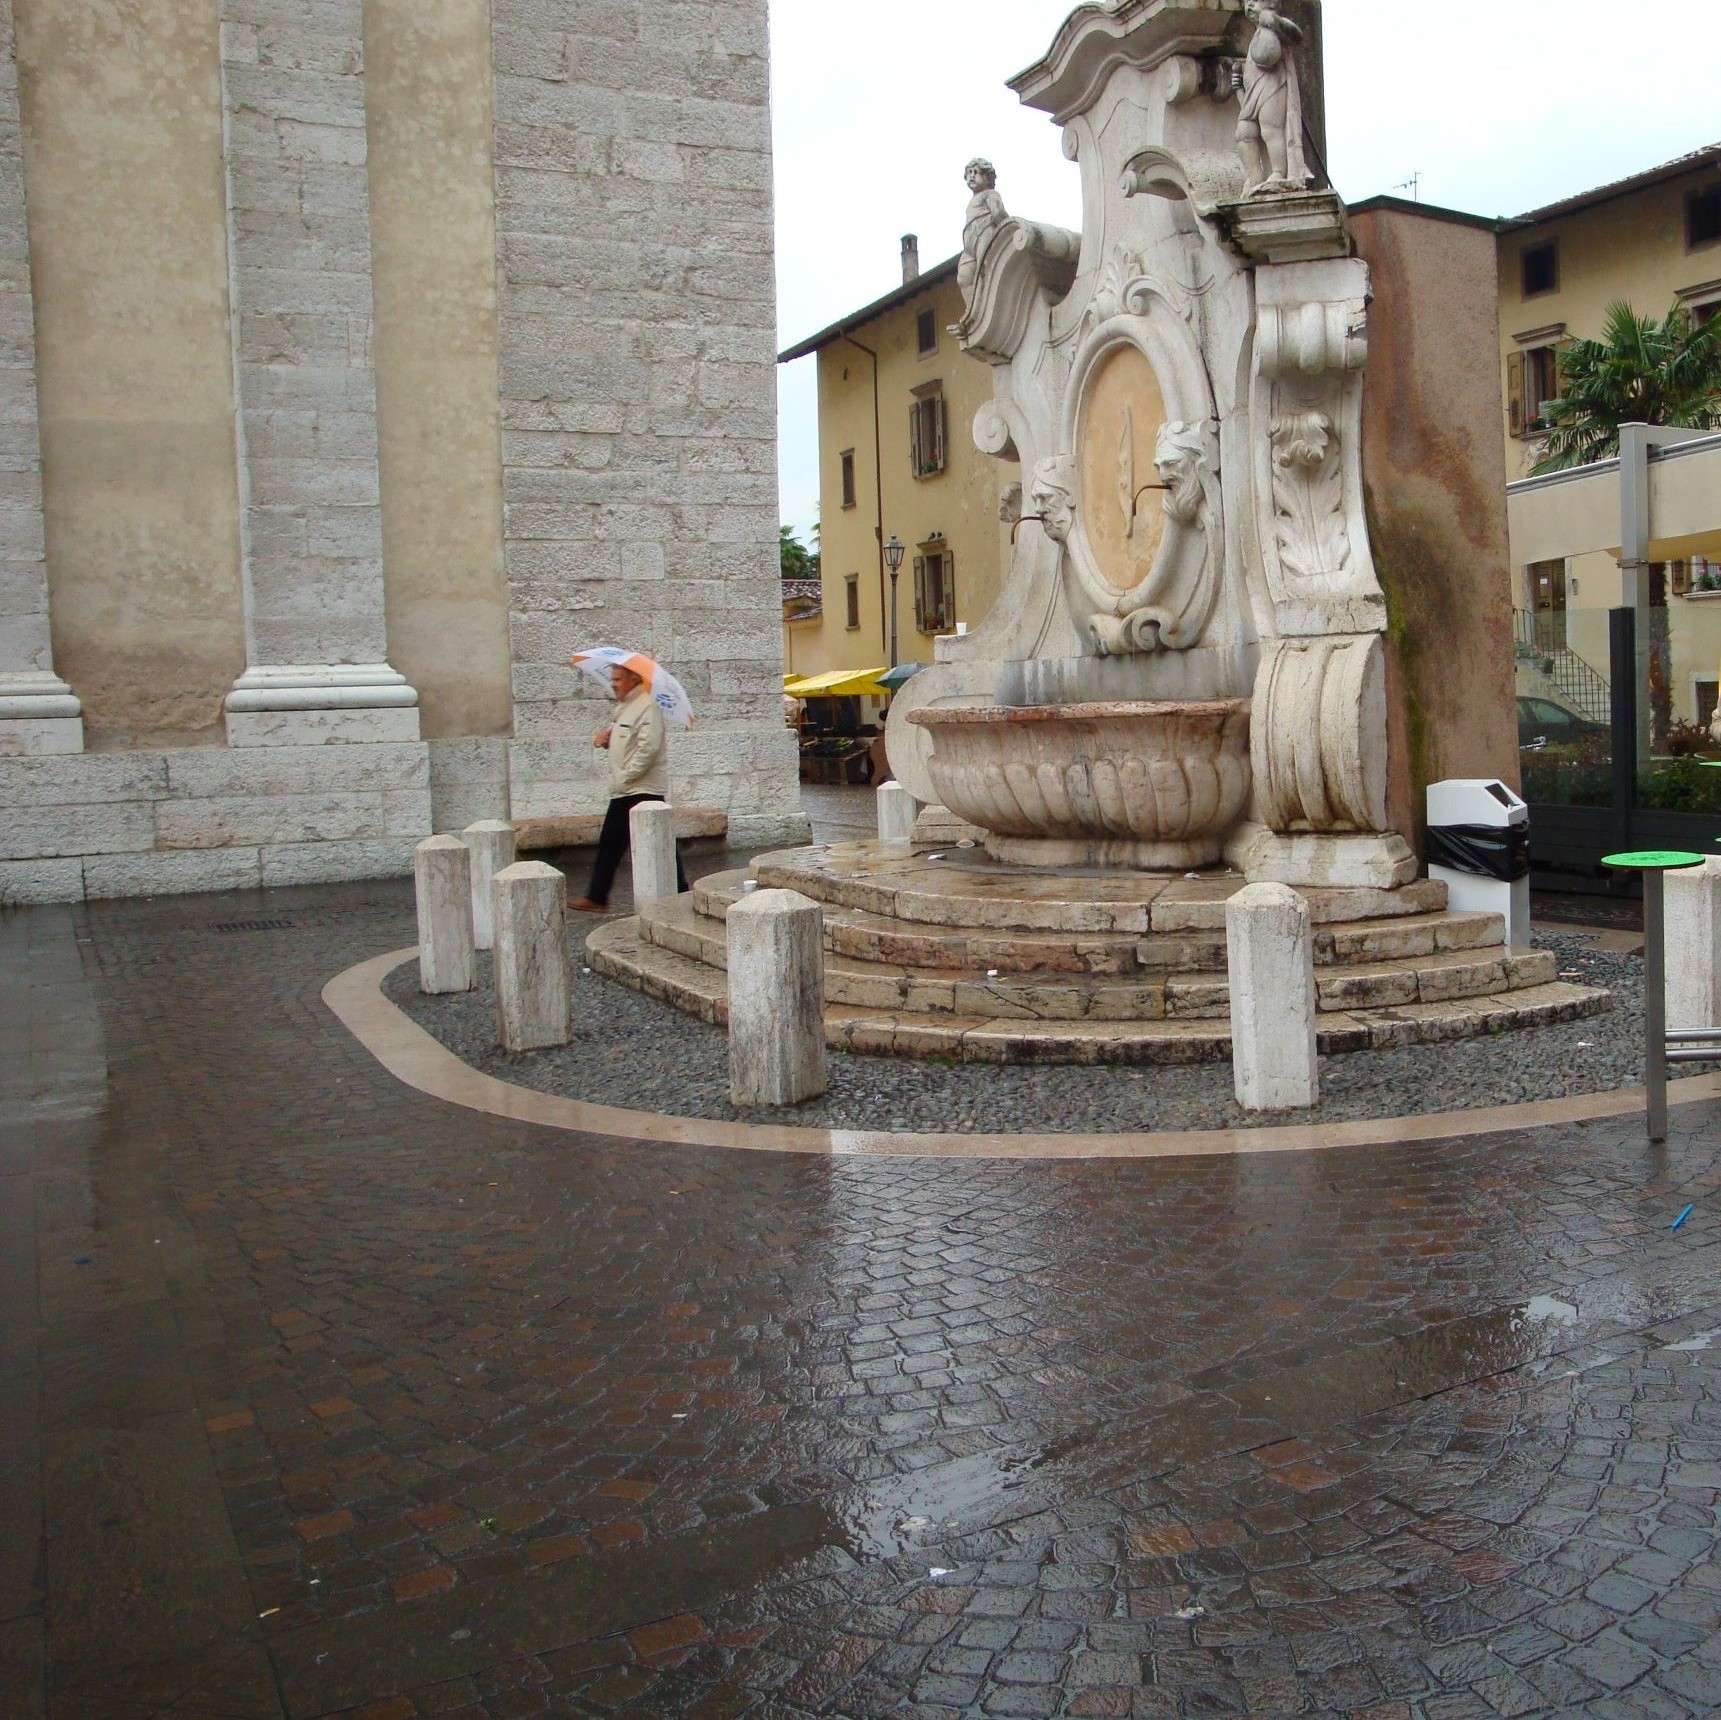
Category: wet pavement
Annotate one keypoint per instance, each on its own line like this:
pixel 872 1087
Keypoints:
pixel 321 1397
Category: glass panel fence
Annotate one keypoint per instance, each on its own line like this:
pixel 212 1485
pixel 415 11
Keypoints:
pixel 1565 738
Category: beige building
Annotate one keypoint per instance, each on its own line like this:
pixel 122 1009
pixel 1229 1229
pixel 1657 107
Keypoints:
pixel 361 361
pixel 897 399
pixel 1653 240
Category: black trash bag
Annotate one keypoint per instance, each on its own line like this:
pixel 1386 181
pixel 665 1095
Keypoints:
pixel 1482 850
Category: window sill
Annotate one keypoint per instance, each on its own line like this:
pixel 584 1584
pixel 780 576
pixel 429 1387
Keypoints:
pixel 1696 596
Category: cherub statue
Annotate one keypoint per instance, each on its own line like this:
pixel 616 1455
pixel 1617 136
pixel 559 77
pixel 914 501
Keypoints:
pixel 1270 127
pixel 986 214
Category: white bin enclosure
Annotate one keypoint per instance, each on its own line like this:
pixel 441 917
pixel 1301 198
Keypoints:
pixel 1484 804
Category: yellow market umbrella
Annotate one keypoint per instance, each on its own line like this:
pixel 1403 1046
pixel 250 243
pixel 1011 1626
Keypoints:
pixel 838 684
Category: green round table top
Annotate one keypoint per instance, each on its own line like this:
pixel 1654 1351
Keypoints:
pixel 1654 860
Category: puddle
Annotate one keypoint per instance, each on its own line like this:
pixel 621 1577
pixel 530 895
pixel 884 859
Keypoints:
pixel 899 1510
pixel 1552 1309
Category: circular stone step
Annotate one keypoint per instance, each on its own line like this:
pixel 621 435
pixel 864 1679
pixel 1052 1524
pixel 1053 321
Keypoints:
pixel 864 936
pixel 617 950
pixel 960 890
pixel 678 926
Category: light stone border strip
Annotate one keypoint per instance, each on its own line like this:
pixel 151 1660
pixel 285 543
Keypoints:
pixel 421 1062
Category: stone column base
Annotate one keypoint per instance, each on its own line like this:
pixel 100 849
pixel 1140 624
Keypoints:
pixel 301 705
pixel 1383 862
pixel 39 715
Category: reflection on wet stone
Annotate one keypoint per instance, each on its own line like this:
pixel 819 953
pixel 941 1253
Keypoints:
pixel 361 1403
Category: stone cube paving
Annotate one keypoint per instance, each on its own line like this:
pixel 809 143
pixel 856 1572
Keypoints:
pixel 324 1398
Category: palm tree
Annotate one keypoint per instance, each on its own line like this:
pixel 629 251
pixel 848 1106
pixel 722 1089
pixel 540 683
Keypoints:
pixel 1640 372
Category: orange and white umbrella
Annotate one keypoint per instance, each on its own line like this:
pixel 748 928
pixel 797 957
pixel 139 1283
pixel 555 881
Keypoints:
pixel 671 696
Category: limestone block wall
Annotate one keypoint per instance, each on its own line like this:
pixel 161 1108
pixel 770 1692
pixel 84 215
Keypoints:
pixel 298 236
pixel 378 353
pixel 633 206
pixel 163 822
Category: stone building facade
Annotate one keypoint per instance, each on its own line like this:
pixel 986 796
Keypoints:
pixel 360 360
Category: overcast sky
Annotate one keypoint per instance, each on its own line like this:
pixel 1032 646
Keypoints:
pixel 1500 105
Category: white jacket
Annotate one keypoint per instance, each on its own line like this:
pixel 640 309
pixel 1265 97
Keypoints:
pixel 639 747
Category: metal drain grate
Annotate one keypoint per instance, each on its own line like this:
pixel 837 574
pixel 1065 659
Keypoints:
pixel 256 926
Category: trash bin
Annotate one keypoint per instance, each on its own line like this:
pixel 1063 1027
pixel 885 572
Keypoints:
pixel 1479 848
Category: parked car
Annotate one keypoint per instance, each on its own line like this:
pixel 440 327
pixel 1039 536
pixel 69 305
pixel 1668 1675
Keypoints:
pixel 1542 722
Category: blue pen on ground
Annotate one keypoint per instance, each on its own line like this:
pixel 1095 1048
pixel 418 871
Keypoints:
pixel 1684 1215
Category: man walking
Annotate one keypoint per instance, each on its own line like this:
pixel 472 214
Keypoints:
pixel 639 770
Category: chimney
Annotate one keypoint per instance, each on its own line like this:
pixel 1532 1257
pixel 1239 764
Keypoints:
pixel 910 258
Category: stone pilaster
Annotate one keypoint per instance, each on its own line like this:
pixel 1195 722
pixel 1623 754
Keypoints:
pixel 637 334
pixel 298 214
pixel 38 711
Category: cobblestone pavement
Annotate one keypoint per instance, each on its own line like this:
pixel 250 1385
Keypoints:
pixel 321 1397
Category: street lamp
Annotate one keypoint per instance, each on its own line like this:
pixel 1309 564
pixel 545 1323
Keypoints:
pixel 893 553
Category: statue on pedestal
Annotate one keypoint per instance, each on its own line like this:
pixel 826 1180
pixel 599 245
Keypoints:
pixel 986 214
pixel 1270 127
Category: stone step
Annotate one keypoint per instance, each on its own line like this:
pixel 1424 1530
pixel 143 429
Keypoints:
pixel 676 924
pixel 617 950
pixel 926 888
pixel 877 938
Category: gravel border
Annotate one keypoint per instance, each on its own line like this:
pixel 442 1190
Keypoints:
pixel 641 1055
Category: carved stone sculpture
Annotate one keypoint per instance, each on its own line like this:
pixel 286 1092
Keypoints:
pixel 1270 127
pixel 1308 496
pixel 1182 385
pixel 1178 458
pixel 986 214
pixel 1052 494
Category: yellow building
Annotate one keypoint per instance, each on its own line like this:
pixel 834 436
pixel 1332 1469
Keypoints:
pixel 1653 240
pixel 897 398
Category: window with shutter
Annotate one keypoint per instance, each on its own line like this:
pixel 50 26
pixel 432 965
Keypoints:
pixel 1541 384
pixel 1515 393
pixel 935 592
pixel 926 438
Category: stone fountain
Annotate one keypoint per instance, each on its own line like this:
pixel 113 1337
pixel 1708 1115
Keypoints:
pixel 1183 684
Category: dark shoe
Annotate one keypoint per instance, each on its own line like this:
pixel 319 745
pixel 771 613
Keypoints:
pixel 585 905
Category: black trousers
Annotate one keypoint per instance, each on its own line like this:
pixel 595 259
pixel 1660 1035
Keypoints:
pixel 613 843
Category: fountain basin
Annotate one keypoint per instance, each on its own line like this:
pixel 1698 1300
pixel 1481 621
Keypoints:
pixel 1157 787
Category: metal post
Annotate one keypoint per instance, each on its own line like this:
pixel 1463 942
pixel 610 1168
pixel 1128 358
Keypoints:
pixel 1655 1003
pixel 1622 710
pixel 893 574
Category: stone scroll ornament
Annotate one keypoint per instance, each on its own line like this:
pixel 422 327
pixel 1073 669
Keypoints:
pixel 1319 735
pixel 1308 401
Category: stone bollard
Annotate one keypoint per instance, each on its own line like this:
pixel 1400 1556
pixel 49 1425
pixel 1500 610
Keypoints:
pixel 492 844
pixel 442 878
pixel 1694 947
pixel 651 832
pixel 776 999
pixel 1271 953
pixel 897 811
pixel 533 1002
